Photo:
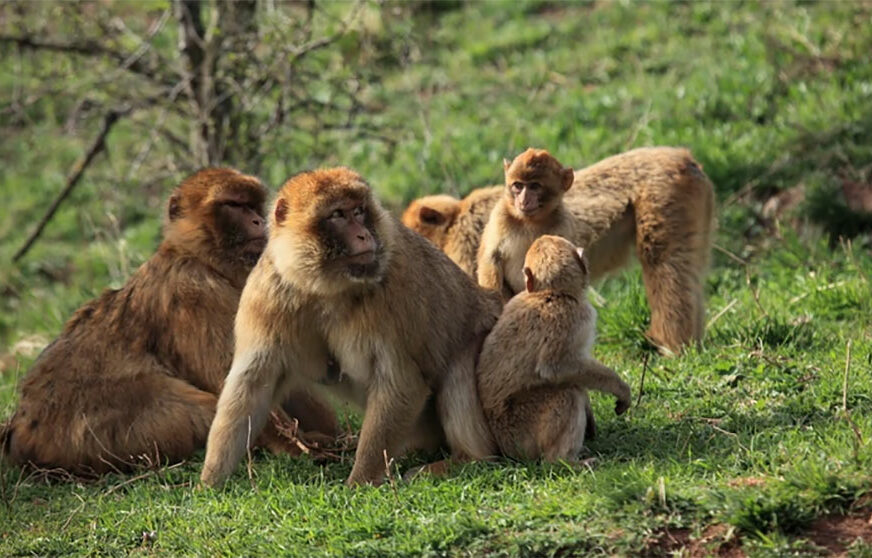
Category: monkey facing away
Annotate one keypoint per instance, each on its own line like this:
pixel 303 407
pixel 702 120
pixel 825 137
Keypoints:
pixel 136 372
pixel 453 225
pixel 657 199
pixel 536 365
pixel 404 323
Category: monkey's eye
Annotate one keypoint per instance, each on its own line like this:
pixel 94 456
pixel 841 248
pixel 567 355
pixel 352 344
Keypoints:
pixel 358 211
pixel 232 204
pixel 517 187
pixel 337 214
pixel 534 185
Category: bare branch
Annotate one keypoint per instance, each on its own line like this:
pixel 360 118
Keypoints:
pixel 78 170
pixel 131 62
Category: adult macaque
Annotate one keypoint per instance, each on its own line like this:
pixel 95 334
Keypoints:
pixel 135 373
pixel 340 276
pixel 657 199
pixel 536 364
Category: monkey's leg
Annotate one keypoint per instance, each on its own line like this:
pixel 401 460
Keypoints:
pixel 675 296
pixel 460 409
pixel 242 411
pixel 391 410
pixel 563 423
pixel 115 425
pixel 547 422
pixel 595 375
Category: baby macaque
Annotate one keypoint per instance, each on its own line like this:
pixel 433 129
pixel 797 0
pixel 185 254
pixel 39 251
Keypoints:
pixel 536 365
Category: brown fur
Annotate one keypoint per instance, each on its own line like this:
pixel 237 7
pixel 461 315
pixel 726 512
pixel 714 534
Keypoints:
pixel 405 329
pixel 136 372
pixel 453 225
pixel 657 199
pixel 536 364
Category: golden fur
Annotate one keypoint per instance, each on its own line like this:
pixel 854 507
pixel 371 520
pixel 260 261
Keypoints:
pixel 536 364
pixel 657 199
pixel 405 330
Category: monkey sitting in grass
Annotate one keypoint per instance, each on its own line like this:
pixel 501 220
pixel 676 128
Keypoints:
pixel 536 366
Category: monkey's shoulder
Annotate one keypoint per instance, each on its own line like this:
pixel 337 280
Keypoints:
pixel 545 310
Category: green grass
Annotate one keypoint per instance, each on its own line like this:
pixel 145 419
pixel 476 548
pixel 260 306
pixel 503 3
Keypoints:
pixel 748 432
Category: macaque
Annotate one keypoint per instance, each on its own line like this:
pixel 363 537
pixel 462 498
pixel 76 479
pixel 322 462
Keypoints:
pixel 453 225
pixel 135 374
pixel 340 276
pixel 536 364
pixel 657 199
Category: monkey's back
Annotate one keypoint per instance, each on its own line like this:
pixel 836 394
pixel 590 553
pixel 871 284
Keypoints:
pixel 124 337
pixel 604 190
pixel 529 324
pixel 464 236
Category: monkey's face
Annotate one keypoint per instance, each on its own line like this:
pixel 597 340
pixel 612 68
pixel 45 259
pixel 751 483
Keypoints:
pixel 432 216
pixel 535 184
pixel 326 235
pixel 554 263
pixel 349 239
pixel 241 222
pixel 218 213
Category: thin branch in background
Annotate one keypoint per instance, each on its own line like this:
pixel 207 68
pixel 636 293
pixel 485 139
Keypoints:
pixel 755 292
pixel 723 311
pixel 98 145
pixel 845 379
pixel 642 381
pixel 128 61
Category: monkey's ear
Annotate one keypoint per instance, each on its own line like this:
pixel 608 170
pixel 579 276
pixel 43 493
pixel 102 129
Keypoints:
pixel 281 211
pixel 528 279
pixel 582 261
pixel 174 207
pixel 506 164
pixel 431 216
pixel 567 177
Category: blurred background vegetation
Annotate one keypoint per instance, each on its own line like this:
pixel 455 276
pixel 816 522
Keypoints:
pixel 774 99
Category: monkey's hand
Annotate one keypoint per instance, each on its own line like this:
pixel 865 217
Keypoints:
pixel 621 406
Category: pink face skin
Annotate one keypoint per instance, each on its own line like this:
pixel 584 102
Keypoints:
pixel 348 223
pixel 527 197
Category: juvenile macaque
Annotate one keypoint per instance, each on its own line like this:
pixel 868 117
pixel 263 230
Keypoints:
pixel 536 364
pixel 136 372
pixel 341 276
pixel 657 199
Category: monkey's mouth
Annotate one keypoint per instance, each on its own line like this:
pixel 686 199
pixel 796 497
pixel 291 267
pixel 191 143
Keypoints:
pixel 255 244
pixel 361 258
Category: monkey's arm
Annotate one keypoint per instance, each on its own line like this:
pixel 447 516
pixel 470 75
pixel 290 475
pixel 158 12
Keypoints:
pixel 593 374
pixel 490 270
pixel 562 363
pixel 243 408
pixel 397 396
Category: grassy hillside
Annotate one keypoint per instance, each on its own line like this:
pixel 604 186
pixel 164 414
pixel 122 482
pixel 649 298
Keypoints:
pixel 756 444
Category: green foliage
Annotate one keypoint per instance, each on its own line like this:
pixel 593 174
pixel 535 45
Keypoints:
pixel 748 431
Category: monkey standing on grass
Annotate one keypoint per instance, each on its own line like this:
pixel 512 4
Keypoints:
pixel 536 365
pixel 657 199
